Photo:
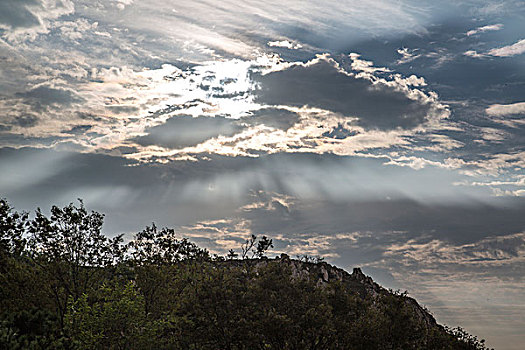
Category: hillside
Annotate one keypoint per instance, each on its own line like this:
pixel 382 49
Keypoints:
pixel 357 283
pixel 64 285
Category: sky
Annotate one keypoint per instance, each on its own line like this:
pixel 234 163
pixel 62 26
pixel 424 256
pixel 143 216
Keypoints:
pixel 386 135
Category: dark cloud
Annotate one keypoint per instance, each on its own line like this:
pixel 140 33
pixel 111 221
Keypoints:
pixel 184 130
pixel 92 117
pixel 322 85
pixel 78 129
pixel 332 200
pixel 15 14
pixel 273 117
pixel 446 69
pixel 459 223
pixel 9 139
pixel 26 121
pixel 46 95
pixel 123 109
pixel 166 194
pixel 339 132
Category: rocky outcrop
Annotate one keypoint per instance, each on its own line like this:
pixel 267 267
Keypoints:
pixel 323 274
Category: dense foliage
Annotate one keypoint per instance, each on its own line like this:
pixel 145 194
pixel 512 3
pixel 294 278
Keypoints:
pixel 64 285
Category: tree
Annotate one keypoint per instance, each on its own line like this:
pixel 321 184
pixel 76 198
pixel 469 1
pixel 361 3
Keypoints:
pixel 153 255
pixel 256 248
pixel 262 246
pixel 19 284
pixel 113 319
pixel 232 254
pixel 12 228
pixel 71 251
pixel 64 285
pixel 31 329
pixel 162 247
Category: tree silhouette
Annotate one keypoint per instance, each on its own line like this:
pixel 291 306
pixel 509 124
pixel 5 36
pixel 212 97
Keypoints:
pixel 65 285
pixel 70 250
pixel 12 227
pixel 256 248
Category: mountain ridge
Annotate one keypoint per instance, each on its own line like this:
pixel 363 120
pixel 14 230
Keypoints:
pixel 325 273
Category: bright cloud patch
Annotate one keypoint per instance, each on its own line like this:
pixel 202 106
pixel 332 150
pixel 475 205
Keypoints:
pixel 286 44
pixel 483 29
pixel 235 108
pixel 407 55
pixel 314 107
pixel 506 109
pixel 510 50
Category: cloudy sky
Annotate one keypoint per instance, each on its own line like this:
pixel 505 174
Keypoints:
pixel 386 135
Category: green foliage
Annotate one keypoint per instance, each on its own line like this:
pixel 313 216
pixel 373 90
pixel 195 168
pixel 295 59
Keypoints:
pixel 256 248
pixel 31 329
pixel 162 247
pixel 467 340
pixel 153 253
pixel 70 251
pixel 310 259
pixel 72 235
pixel 22 286
pixel 12 225
pixel 231 255
pixel 111 318
pixel 64 285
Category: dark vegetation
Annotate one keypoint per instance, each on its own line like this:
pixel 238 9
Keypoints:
pixel 64 285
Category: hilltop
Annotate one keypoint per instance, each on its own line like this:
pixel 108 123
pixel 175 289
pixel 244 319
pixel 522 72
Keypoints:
pixel 357 283
pixel 64 285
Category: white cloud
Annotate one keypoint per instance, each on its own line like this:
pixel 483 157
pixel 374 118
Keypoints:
pixel 286 44
pixel 418 163
pixel 121 4
pixel 498 192
pixel 474 54
pixel 483 29
pixel 520 181
pixel 493 135
pixel 364 66
pixel 499 110
pixel 222 28
pixel 407 55
pixel 495 164
pixel 74 30
pixel 312 133
pixel 506 51
pixel 434 256
pixel 510 50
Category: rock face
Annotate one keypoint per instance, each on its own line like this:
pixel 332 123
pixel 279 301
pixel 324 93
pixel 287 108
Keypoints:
pixel 363 284
pixel 326 273
pixel 323 274
pixel 358 282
